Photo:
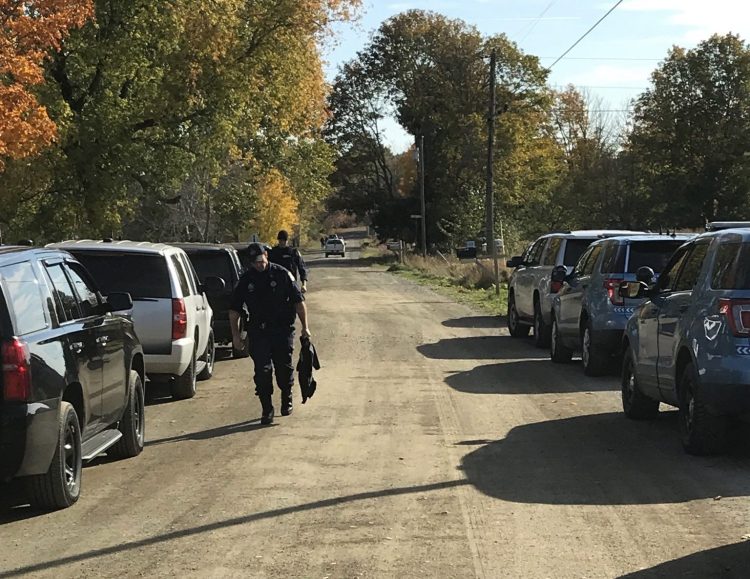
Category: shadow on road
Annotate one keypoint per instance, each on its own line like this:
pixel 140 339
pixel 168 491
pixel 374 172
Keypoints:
pixel 481 348
pixel 727 562
pixel 476 322
pixel 602 459
pixel 247 426
pixel 228 523
pixel 527 377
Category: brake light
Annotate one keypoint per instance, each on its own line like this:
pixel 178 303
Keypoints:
pixel 555 286
pixel 737 313
pixel 16 371
pixel 612 286
pixel 179 319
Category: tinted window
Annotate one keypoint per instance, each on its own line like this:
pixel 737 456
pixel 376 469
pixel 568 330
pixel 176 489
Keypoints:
pixel 192 277
pixel 535 256
pixel 732 267
pixel 582 262
pixel 574 249
pixel 549 257
pixel 184 285
pixel 653 254
pixel 139 274
pixel 67 304
pixel 212 264
pixel 590 264
pixel 88 300
pixel 25 297
pixel 614 258
pixel 692 268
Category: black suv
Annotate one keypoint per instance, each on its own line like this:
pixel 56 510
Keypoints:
pixel 72 374
pixel 216 260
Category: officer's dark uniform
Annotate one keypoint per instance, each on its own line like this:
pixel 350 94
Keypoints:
pixel 291 259
pixel 270 297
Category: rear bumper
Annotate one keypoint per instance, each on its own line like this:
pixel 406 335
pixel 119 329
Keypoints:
pixel 28 436
pixel 173 364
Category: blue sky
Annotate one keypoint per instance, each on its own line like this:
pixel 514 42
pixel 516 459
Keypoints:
pixel 640 31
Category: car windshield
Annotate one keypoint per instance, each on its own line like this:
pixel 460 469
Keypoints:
pixel 574 249
pixel 653 254
pixel 212 264
pixel 139 274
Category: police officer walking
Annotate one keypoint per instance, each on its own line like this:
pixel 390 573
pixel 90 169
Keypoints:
pixel 290 258
pixel 273 301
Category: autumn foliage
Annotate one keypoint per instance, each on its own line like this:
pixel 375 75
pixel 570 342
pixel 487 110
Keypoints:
pixel 28 31
pixel 276 208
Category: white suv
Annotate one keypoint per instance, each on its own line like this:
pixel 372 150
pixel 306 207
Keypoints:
pixel 170 310
pixel 335 247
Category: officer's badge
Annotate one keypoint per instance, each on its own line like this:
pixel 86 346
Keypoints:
pixel 250 287
pixel 273 283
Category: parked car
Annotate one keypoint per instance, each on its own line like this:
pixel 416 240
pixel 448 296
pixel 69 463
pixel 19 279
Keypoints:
pixel 688 344
pixel 72 378
pixel 172 316
pixel 588 312
pixel 335 247
pixel 213 260
pixel 468 251
pixel 529 292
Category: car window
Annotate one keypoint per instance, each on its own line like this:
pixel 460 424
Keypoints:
pixel 192 277
pixel 688 276
pixel 535 253
pixel 613 260
pixel 582 263
pixel 24 297
pixel 85 290
pixel 588 267
pixel 574 249
pixel 142 275
pixel 212 264
pixel 181 276
pixel 65 298
pixel 653 254
pixel 732 267
pixel 549 257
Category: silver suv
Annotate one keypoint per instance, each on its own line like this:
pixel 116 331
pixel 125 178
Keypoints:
pixel 171 313
pixel 529 290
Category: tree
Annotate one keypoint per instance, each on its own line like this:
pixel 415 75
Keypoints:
pixel 29 30
pixel 276 208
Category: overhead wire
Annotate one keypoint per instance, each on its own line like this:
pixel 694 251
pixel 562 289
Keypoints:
pixel 530 27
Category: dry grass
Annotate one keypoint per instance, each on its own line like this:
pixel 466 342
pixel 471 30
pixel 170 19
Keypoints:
pixel 467 274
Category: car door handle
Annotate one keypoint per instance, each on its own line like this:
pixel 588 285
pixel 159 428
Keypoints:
pixel 76 347
pixel 102 340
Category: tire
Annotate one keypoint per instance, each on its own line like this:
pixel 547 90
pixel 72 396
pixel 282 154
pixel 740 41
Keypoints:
pixel 635 404
pixel 209 357
pixel 327 255
pixel 542 332
pixel 515 327
pixel 245 351
pixel 60 486
pixel 183 387
pixel 701 432
pixel 133 423
pixel 559 353
pixel 343 255
pixel 594 357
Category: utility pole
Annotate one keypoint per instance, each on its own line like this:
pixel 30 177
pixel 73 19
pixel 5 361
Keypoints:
pixel 490 198
pixel 421 195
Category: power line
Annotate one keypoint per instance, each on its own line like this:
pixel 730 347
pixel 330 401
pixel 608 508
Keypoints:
pixel 624 58
pixel 585 34
pixel 530 27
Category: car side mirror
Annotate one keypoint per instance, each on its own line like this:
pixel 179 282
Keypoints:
pixel 119 302
pixel 214 286
pixel 514 262
pixel 559 274
pixel 645 275
pixel 633 290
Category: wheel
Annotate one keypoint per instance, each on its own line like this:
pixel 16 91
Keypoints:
pixel 60 486
pixel 245 351
pixel 209 357
pixel 183 387
pixel 594 357
pixel 515 327
pixel 542 332
pixel 327 254
pixel 133 423
pixel 559 353
pixel 343 255
pixel 634 403
pixel 702 433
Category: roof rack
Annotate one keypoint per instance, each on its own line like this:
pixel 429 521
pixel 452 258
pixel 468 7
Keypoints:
pixel 720 225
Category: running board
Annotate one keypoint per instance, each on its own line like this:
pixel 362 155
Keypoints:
pixel 101 442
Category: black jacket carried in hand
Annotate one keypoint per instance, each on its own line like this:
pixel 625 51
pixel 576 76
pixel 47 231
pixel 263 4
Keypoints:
pixel 308 360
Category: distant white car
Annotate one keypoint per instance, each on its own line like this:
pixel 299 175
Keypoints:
pixel 335 247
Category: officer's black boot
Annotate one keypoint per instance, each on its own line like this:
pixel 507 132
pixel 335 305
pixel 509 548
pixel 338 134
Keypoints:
pixel 286 403
pixel 267 416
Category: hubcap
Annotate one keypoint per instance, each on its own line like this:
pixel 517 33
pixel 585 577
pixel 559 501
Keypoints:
pixel 139 415
pixel 211 355
pixel 629 383
pixel 689 410
pixel 70 447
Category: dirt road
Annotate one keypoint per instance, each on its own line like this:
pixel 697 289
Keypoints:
pixel 436 446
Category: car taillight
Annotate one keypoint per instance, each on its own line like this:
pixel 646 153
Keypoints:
pixel 737 313
pixel 179 319
pixel 555 286
pixel 16 371
pixel 612 286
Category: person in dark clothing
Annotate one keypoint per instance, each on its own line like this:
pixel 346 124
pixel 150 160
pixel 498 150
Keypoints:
pixel 273 301
pixel 290 258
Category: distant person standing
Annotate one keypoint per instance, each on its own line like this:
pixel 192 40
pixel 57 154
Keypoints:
pixel 290 258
